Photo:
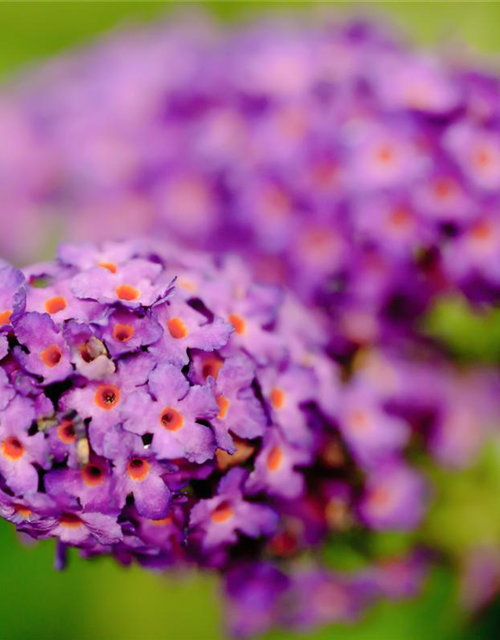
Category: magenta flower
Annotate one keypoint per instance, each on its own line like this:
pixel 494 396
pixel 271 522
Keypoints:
pixel 185 328
pixel 395 498
pixel 47 355
pixel 172 417
pixel 276 468
pixel 222 517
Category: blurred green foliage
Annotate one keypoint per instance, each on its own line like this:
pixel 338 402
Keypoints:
pixel 468 334
pixel 466 512
pixel 99 600
pixel 96 599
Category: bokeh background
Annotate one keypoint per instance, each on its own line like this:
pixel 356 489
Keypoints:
pixel 97 599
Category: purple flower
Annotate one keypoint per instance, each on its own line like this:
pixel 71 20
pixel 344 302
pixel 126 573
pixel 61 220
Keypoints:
pixel 370 432
pixel 172 415
pixel 137 472
pixel 102 401
pixel 321 597
pixel 415 82
pixel 472 257
pixel 222 517
pixel 394 498
pixel 12 295
pixel 127 331
pixel 287 393
pixel 275 468
pixel 19 451
pixel 477 151
pixel 32 513
pixel 240 412
pixel 184 328
pixel 47 353
pixel 383 158
pixel 110 255
pixel 91 486
pixel 131 285
pixel 255 591
pixel 401 577
pixel 57 299
pixel 84 528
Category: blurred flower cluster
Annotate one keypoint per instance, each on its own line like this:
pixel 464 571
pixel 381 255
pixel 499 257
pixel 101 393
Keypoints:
pixel 177 407
pixel 363 174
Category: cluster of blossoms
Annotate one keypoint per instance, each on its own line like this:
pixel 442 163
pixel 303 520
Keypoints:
pixel 158 406
pixel 166 407
pixel 363 174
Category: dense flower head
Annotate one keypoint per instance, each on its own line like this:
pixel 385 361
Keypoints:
pixel 144 387
pixel 361 172
pixel 158 405
pixel 176 408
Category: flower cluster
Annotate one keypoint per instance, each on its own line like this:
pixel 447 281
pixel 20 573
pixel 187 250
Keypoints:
pixel 158 406
pixel 364 174
pixel 167 407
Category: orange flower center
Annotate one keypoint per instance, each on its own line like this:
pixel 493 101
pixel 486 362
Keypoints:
pixel 482 231
pixel 22 511
pixel 110 266
pixel 380 497
pixel 223 404
pixel 277 398
pixel 171 419
pixel 482 158
pixel 186 284
pixel 51 356
pixel 162 521
pixel 359 420
pixel 222 513
pixel 85 354
pixel 177 328
pixel 274 459
pixel 443 188
pixel 123 332
pixel 12 448
pixel 211 367
pixel 138 469
pixel 66 432
pixel 385 154
pixel 400 217
pixel 325 174
pixel 70 521
pixel 92 475
pixel 55 304
pixel 107 396
pixel 239 324
pixel 5 317
pixel 127 292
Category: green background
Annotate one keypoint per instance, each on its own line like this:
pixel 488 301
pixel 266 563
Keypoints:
pixel 100 601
